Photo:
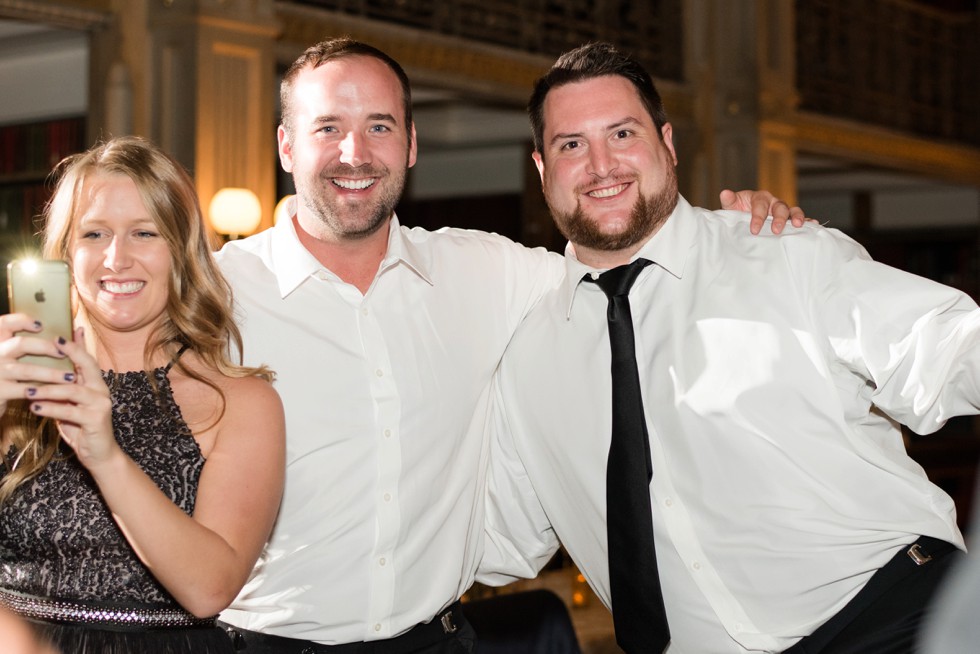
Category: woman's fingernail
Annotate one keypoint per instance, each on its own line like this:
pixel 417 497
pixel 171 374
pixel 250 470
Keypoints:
pixel 37 324
pixel 61 340
pixel 31 392
pixel 69 376
pixel 35 407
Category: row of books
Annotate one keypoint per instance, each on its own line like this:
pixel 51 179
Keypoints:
pixel 21 205
pixel 32 149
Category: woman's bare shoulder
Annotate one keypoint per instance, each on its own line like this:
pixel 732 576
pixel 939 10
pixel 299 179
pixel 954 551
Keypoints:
pixel 245 401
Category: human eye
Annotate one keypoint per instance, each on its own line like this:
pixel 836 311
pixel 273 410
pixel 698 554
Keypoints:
pixel 569 145
pixel 145 232
pixel 624 133
pixel 380 129
pixel 91 234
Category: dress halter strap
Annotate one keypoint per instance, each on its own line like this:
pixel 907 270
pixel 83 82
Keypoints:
pixel 183 348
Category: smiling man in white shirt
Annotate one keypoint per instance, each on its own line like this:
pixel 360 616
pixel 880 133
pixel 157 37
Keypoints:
pixel 773 374
pixel 384 340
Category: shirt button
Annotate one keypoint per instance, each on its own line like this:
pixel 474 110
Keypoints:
pixel 668 502
pixel 387 433
pixel 379 372
pixel 738 626
pixel 387 497
pixel 377 627
pixel 364 311
pixel 696 565
pixel 381 561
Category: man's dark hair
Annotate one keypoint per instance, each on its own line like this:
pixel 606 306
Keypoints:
pixel 585 63
pixel 329 50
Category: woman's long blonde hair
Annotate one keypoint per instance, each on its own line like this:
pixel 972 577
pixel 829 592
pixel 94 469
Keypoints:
pixel 199 311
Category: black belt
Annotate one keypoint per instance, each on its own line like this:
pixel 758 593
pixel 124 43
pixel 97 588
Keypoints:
pixel 910 557
pixel 441 627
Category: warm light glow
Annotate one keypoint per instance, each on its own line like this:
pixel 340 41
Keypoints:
pixel 284 209
pixel 580 590
pixel 235 211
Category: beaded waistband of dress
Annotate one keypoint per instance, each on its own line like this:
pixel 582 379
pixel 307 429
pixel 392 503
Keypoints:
pixel 97 614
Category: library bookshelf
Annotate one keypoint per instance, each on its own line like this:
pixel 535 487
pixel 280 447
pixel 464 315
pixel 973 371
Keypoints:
pixel 28 153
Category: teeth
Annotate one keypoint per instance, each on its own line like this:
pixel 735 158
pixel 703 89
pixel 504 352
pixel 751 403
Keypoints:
pixel 607 192
pixel 122 287
pixel 354 184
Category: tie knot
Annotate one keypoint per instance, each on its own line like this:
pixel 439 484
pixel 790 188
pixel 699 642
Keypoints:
pixel 618 281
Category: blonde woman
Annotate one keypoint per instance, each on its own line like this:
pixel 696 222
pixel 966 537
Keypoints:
pixel 137 492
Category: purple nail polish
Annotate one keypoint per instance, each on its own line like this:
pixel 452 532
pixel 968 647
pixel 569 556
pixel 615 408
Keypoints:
pixel 37 323
pixel 69 376
pixel 61 340
pixel 31 392
pixel 35 407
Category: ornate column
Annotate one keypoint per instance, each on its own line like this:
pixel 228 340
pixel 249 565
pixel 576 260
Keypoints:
pixel 778 98
pixel 739 63
pixel 202 82
pixel 236 99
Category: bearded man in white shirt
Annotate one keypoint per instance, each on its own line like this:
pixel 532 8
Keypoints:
pixel 773 374
pixel 384 340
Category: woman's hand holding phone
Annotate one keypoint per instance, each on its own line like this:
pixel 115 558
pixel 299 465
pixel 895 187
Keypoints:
pixel 18 375
pixel 83 409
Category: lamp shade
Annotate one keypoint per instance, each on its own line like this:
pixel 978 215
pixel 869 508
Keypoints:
pixel 235 211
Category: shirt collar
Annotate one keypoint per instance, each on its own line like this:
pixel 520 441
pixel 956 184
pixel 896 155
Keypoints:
pixel 401 249
pixel 669 249
pixel 294 264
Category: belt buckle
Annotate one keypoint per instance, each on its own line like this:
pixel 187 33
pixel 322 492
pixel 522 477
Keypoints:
pixel 917 555
pixel 448 626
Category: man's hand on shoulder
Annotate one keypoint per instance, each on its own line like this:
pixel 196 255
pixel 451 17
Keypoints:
pixel 762 204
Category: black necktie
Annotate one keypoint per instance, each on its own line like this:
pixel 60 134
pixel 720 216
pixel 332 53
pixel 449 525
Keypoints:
pixel 637 601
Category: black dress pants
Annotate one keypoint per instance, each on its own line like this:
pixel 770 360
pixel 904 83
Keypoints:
pixel 885 617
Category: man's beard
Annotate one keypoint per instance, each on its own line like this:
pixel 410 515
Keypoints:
pixel 351 221
pixel 646 216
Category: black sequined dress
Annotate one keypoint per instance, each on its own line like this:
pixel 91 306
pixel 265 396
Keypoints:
pixel 60 547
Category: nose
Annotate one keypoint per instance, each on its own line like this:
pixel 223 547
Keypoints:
pixel 353 150
pixel 117 255
pixel 602 161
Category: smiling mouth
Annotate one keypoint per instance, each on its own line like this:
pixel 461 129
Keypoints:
pixel 121 288
pixel 607 192
pixel 354 184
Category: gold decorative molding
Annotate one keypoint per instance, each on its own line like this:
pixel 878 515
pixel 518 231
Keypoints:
pixel 883 147
pixel 76 15
pixel 235 109
pixel 265 30
pixel 428 58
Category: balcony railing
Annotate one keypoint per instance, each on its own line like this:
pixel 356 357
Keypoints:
pixel 892 63
pixel 887 62
pixel 649 29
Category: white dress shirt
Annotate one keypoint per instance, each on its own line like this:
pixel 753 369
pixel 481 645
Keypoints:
pixel 386 398
pixel 774 371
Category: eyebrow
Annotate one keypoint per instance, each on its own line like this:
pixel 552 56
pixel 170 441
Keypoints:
pixel 628 120
pixel 333 118
pixel 98 219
